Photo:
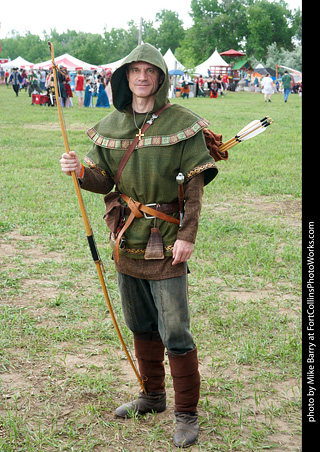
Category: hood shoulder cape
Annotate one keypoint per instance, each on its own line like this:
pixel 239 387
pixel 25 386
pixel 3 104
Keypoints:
pixel 175 125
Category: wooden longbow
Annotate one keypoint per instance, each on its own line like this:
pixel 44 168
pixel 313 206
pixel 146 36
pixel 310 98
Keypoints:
pixel 91 242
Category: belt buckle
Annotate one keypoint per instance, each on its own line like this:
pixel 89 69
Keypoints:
pixel 146 216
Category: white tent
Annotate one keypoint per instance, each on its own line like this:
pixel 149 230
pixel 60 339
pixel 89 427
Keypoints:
pixel 18 62
pixel 68 61
pixel 172 61
pixel 215 60
pixel 113 66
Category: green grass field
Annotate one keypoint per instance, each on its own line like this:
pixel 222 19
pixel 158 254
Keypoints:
pixel 62 369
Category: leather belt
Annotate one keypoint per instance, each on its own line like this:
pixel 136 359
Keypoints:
pixel 138 210
pixel 168 208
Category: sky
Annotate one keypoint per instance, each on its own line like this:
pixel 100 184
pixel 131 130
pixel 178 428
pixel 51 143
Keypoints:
pixel 63 15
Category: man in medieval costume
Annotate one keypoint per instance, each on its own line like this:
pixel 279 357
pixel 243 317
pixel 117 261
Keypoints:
pixel 185 85
pixel 16 80
pixel 151 257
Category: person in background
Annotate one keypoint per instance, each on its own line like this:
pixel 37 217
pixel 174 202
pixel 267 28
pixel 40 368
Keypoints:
pixel 43 76
pixel 50 89
pixel 267 87
pixel 24 76
pixel 33 83
pixel 102 100
pixel 201 85
pixel 213 88
pixel 88 102
pixel 79 85
pixel 185 85
pixel 15 79
pixel 61 76
pixel 67 86
pixel 286 83
pixel 218 81
pixel 108 85
pixel 6 77
pixel 225 83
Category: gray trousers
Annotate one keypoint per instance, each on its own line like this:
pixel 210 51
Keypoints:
pixel 158 306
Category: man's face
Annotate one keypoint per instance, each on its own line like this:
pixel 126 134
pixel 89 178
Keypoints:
pixel 144 79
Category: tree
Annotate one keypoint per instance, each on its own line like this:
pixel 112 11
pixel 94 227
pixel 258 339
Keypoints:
pixel 89 47
pixel 231 24
pixel 292 59
pixel 203 35
pixel 220 25
pixel 149 33
pixel 188 52
pixel 170 31
pixel 249 25
pixel 30 47
pixel 116 44
pixel 297 26
pixel 268 23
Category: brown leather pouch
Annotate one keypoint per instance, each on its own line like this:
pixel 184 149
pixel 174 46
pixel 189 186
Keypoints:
pixel 154 249
pixel 114 211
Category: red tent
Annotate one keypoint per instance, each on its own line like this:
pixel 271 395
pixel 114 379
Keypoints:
pixel 232 53
pixel 68 61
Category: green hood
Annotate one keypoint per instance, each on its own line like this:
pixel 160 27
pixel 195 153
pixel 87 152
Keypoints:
pixel 121 94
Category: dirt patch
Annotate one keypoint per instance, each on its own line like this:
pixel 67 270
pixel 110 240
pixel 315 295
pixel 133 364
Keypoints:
pixel 78 381
pixel 289 209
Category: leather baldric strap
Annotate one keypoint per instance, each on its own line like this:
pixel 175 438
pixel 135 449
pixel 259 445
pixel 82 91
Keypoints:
pixel 137 210
pixel 135 142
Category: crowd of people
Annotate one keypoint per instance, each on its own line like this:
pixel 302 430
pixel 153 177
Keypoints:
pixel 97 85
pixel 212 85
pixel 218 85
pixel 86 86
pixel 22 79
pixel 285 86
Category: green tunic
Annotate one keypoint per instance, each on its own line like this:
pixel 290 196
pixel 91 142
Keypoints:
pixel 173 143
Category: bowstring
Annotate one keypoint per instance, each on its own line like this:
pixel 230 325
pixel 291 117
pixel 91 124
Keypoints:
pixel 120 326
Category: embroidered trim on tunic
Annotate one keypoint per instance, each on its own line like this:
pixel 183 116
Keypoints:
pixel 141 251
pixel 160 140
pixel 136 251
pixel 93 165
pixel 199 169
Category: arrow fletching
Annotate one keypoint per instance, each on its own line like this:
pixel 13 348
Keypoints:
pixel 252 124
pixel 253 131
pixel 249 131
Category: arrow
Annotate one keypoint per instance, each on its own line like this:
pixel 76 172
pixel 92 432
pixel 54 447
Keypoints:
pixel 249 131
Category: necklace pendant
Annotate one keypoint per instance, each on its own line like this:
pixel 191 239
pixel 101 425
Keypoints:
pixel 140 135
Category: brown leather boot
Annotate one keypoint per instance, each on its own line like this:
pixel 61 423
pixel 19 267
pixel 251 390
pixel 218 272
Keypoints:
pixel 186 384
pixel 149 351
pixel 145 403
pixel 187 429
